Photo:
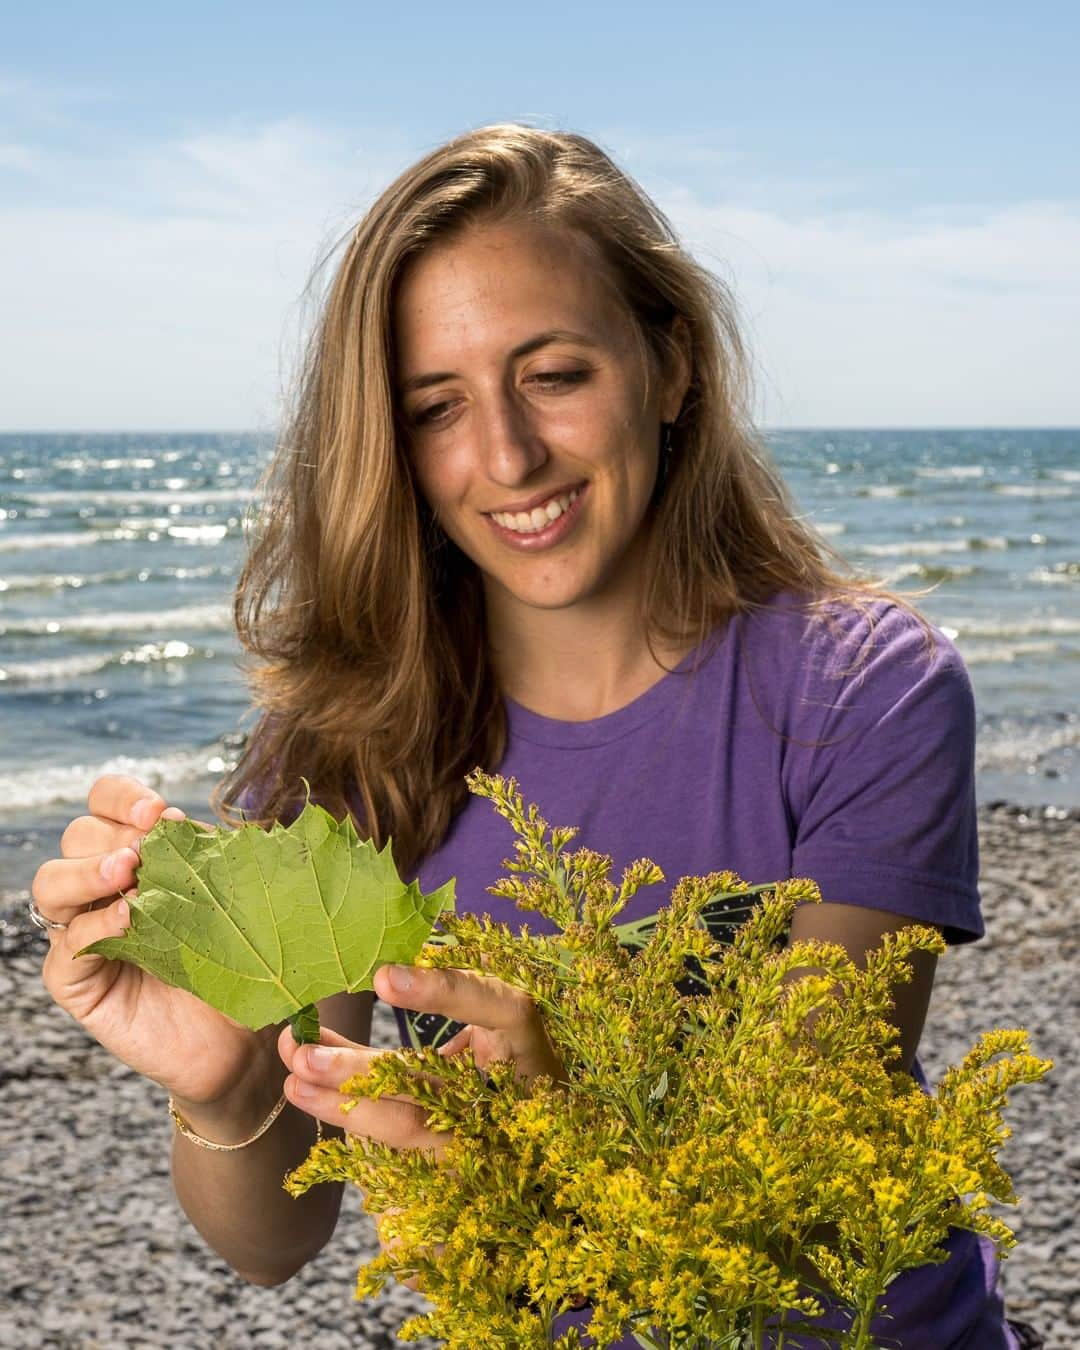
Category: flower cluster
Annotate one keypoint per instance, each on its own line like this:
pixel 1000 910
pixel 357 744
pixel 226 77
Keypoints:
pixel 733 1151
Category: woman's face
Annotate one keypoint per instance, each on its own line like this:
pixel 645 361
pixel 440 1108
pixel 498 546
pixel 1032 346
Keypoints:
pixel 524 396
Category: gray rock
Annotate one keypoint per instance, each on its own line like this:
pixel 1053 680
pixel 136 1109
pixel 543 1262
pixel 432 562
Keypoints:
pixel 95 1251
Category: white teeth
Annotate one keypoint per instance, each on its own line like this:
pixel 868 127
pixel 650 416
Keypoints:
pixel 539 518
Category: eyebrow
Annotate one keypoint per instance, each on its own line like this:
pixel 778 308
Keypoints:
pixel 523 349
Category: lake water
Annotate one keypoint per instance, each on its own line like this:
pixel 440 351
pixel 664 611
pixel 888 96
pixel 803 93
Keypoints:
pixel 118 554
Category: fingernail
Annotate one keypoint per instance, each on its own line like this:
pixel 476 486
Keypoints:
pixel 173 813
pixel 400 977
pixel 318 1058
pixel 142 809
pixel 301 1088
pixel 123 911
pixel 108 866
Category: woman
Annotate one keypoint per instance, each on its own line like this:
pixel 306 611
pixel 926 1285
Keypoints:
pixel 519 519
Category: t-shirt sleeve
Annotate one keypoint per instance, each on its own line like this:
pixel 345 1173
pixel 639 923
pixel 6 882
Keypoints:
pixel 885 813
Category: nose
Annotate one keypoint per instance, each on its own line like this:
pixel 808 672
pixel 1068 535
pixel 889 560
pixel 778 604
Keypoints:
pixel 510 446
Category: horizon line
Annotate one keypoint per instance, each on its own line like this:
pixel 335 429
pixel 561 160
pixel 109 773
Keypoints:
pixel 807 426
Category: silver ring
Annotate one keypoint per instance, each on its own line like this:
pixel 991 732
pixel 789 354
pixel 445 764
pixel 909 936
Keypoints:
pixel 42 922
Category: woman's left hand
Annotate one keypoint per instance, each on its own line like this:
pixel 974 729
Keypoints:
pixel 501 1023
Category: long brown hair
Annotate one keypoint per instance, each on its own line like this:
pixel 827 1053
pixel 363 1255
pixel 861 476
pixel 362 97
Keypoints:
pixel 371 669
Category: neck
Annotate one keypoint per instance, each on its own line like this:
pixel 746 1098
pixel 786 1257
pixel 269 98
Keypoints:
pixel 580 662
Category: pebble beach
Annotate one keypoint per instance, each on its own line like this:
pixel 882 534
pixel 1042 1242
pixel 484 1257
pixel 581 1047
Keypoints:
pixel 95 1252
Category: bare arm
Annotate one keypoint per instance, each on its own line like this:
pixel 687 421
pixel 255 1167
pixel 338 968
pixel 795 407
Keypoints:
pixel 859 931
pixel 236 1200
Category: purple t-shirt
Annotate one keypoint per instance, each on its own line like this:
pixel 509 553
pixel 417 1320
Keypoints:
pixel 760 754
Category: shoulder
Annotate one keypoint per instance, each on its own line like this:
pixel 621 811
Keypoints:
pixel 821 657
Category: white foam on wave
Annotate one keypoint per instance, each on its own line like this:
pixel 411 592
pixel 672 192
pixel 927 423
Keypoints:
pixel 146 530
pixel 1005 653
pixel 36 787
pixel 17 543
pixel 61 668
pixel 1056 624
pixel 123 496
pixel 1010 747
pixel 215 618
pixel 921 572
pixel 1066 475
pixel 78 463
pixel 89 663
pixel 958 471
pixel 928 548
pixel 1036 490
pixel 56 581
pixel 1063 573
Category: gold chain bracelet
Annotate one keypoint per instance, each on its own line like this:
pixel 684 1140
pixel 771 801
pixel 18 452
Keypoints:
pixel 188 1133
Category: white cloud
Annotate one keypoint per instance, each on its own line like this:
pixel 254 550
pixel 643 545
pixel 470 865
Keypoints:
pixel 170 306
pixel 155 287
pixel 861 319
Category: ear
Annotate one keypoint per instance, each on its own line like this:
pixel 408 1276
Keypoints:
pixel 679 370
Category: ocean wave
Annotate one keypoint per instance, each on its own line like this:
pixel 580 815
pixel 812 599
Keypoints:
pixel 55 581
pixel 1010 746
pixel 1055 624
pixel 1057 574
pixel 1005 653
pixel 1036 490
pixel 950 471
pixel 928 548
pixel 927 573
pixel 19 543
pixel 36 787
pixel 139 496
pixel 206 618
pixel 886 490
pixel 89 663
pixel 78 464
pixel 1066 475
pixel 145 531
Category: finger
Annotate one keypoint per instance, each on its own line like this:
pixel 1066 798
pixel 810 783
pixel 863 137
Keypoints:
pixel 63 888
pixel 314 1084
pixel 512 1026
pixel 461 1040
pixel 75 981
pixel 334 1060
pixel 396 1121
pixel 465 995
pixel 297 1057
pixel 89 835
pixel 118 797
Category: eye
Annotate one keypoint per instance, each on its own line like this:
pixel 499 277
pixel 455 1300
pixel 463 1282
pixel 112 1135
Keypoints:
pixel 556 377
pixel 546 379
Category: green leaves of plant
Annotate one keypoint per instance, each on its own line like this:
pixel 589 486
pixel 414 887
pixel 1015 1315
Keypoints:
pixel 262 923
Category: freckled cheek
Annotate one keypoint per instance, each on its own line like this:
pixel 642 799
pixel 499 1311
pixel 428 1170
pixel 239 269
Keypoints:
pixel 443 480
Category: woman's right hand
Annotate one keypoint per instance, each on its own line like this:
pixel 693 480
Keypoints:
pixel 199 1055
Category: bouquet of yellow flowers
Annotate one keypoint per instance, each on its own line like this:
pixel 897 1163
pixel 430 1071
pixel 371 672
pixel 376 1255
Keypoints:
pixel 733 1143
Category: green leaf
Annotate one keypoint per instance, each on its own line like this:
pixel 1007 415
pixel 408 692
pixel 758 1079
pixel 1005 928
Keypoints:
pixel 305 1025
pixel 262 923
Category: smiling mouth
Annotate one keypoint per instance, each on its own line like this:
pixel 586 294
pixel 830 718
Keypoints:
pixel 540 517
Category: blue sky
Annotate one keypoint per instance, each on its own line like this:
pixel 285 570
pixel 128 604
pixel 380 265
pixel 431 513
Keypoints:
pixel 893 192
